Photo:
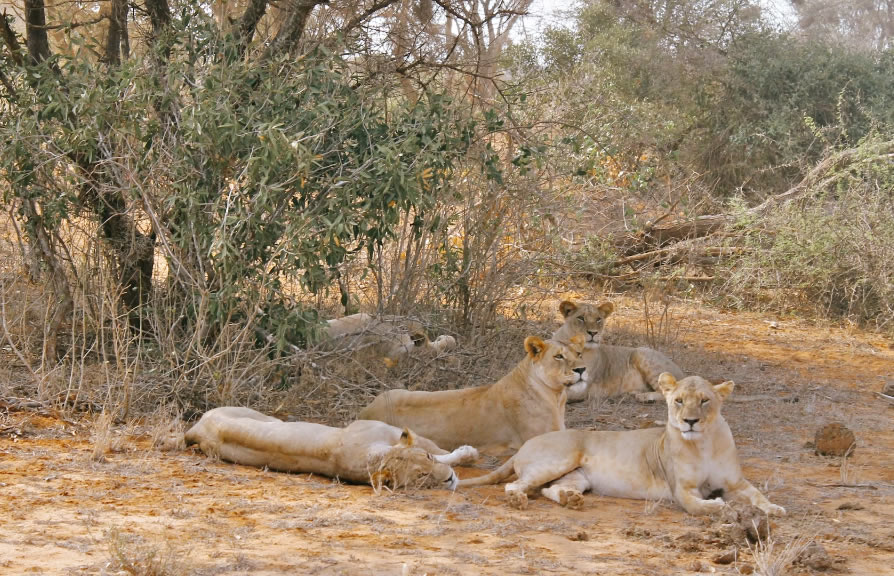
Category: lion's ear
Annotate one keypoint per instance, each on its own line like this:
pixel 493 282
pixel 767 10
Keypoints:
pixel 667 383
pixel 534 346
pixel 606 308
pixel 724 389
pixel 407 438
pixel 566 307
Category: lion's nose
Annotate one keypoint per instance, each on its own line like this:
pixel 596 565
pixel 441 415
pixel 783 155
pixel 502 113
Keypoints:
pixel 690 421
pixel 580 371
pixel 592 334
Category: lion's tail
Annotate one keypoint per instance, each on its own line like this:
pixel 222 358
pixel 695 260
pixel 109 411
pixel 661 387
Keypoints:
pixel 498 475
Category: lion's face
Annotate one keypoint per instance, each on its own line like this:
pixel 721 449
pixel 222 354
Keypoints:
pixel 405 465
pixel 693 404
pixel 586 320
pixel 556 363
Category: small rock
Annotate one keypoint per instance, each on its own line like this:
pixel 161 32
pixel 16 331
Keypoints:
pixel 815 556
pixel 755 523
pixel 579 536
pixel 834 439
pixel 850 506
pixel 698 566
pixel 727 557
pixel 888 390
pixel 741 522
pixel 745 569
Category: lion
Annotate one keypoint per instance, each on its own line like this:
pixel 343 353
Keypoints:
pixel 611 370
pixel 498 417
pixel 692 460
pixel 364 452
pixel 388 338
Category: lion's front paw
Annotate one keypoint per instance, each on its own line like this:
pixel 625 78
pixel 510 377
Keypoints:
pixel 518 500
pixel 714 506
pixel 571 499
pixel 647 397
pixel 466 454
pixel 704 507
pixel 773 510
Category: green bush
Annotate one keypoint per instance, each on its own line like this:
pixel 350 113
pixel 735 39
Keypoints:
pixel 781 102
pixel 831 250
pixel 254 178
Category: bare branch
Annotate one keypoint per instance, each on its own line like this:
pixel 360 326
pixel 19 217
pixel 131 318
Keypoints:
pixel 359 18
pixel 293 28
pixel 11 40
pixel 36 31
pixel 159 15
pixel 248 24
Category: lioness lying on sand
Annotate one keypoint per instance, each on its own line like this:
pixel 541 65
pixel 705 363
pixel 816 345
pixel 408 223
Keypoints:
pixel 691 460
pixel 364 452
pixel 388 338
pixel 528 401
pixel 611 370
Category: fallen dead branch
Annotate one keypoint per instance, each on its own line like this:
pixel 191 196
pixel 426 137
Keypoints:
pixel 662 243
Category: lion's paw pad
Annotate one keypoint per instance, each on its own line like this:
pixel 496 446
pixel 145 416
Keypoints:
pixel 518 500
pixel 571 499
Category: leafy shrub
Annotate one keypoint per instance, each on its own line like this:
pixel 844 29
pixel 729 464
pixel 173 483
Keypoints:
pixel 831 250
pixel 781 102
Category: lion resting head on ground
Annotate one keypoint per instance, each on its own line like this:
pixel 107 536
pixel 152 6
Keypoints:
pixel 364 452
pixel 528 401
pixel 692 460
pixel 388 338
pixel 611 370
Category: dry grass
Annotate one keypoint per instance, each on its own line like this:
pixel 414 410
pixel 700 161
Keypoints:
pixel 103 437
pixel 131 555
pixel 771 558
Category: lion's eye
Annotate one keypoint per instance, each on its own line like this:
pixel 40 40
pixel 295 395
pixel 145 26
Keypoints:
pixel 705 401
pixel 559 357
pixel 581 319
pixel 678 402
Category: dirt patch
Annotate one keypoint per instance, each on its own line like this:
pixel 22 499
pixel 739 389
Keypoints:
pixel 139 510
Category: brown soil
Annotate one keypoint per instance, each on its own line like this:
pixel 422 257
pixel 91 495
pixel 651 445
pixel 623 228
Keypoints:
pixel 144 511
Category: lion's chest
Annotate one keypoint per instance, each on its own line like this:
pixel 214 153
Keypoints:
pixel 708 468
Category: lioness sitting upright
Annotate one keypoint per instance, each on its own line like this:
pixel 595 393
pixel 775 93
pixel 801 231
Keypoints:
pixel 528 401
pixel 690 459
pixel 364 452
pixel 611 370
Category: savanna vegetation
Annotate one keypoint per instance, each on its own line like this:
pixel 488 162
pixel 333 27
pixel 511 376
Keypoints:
pixel 191 187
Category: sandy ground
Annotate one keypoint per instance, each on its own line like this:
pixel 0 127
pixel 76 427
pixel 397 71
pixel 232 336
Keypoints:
pixel 144 511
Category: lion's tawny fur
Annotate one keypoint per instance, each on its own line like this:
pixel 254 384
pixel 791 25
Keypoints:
pixel 528 401
pixel 692 458
pixel 611 370
pixel 354 453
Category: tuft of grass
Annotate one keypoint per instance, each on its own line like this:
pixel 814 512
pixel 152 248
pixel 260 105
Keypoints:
pixel 166 430
pixel 103 437
pixel 771 558
pixel 130 555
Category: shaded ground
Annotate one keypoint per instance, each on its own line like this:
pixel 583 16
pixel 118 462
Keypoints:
pixel 143 511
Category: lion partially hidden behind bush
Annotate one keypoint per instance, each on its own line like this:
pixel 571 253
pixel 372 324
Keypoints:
pixel 386 338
